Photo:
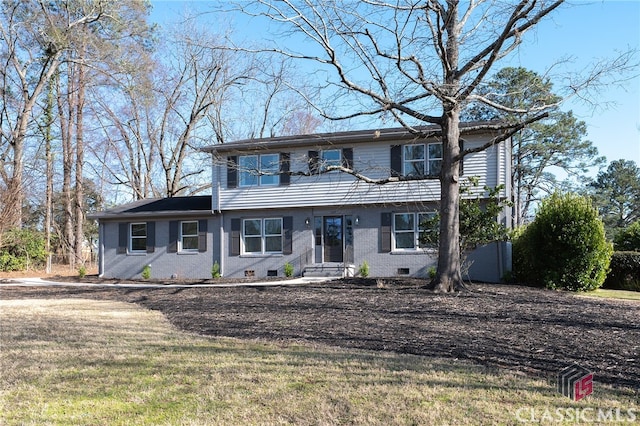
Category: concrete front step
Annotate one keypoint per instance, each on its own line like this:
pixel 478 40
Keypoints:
pixel 329 270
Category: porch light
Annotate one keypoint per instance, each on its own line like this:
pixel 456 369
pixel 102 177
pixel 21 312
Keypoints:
pixel 307 222
pixel 357 221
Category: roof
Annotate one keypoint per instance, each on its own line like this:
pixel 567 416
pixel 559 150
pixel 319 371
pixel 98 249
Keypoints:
pixel 350 137
pixel 159 207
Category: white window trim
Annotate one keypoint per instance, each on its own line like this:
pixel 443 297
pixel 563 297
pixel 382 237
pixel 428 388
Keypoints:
pixel 416 234
pixel 426 160
pixel 263 238
pixel 324 162
pixel 182 236
pixel 258 170
pixel 132 237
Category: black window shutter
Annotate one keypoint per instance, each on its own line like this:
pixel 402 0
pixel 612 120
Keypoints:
pixel 287 241
pixel 385 233
pixel 202 235
pixel 151 237
pixel 313 162
pixel 123 238
pixel 285 168
pixel 173 237
pixel 396 160
pixel 234 241
pixel 232 171
pixel 347 158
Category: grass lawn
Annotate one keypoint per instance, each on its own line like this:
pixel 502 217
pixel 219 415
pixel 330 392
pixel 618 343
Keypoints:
pixel 110 363
pixel 613 294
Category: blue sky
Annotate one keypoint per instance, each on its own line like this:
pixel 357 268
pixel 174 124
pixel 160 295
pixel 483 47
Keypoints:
pixel 584 31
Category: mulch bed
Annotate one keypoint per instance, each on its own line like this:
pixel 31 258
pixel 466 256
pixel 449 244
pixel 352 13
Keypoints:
pixel 532 331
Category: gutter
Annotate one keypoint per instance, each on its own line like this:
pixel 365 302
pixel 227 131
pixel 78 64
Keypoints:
pixel 151 214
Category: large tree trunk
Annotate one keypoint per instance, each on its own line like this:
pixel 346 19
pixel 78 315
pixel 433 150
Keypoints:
pixel 449 277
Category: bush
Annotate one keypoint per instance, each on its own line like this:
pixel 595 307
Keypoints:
pixel 564 247
pixel 9 262
pixel 625 271
pixel 363 271
pixel 215 270
pixel 21 249
pixel 628 239
pixel 146 272
pixel 288 269
pixel 433 271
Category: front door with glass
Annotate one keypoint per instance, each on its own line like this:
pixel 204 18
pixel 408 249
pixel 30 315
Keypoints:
pixel 333 238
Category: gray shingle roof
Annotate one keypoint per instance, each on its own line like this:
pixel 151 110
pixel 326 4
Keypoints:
pixel 156 207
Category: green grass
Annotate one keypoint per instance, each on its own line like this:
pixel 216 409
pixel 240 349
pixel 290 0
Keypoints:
pixel 77 362
pixel 613 294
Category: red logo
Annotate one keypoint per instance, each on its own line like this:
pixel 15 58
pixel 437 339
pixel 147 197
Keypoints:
pixel 575 382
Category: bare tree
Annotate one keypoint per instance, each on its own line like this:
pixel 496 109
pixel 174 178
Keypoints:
pixel 152 134
pixel 34 37
pixel 417 63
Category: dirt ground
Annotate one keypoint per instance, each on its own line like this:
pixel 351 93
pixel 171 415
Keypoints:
pixel 532 331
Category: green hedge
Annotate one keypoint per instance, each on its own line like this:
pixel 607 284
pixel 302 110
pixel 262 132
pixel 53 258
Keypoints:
pixel 564 247
pixel 625 271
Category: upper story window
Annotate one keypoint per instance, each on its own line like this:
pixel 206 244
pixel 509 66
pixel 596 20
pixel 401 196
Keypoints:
pixel 413 230
pixel 320 161
pixel 422 159
pixel 261 236
pixel 331 157
pixel 138 237
pixel 189 236
pixel 259 170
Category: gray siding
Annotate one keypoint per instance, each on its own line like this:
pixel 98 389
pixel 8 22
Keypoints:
pixel 190 265
pixel 335 188
pixel 366 238
pixel 305 197
pixel 260 265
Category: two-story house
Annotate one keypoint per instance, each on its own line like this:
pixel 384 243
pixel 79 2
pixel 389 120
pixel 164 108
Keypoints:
pixel 282 200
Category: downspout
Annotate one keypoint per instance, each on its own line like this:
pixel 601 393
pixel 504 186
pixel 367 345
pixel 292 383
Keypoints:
pixel 221 243
pixel 100 249
pixel 217 209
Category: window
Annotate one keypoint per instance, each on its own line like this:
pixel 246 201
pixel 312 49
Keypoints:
pixel 262 236
pixel 422 160
pixel 434 161
pixel 259 169
pixel 320 161
pixel 138 239
pixel 413 230
pixel 414 160
pixel 189 236
pixel 332 157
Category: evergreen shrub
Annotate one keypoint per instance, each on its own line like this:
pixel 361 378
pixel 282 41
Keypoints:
pixel 625 271
pixel 628 239
pixel 564 247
